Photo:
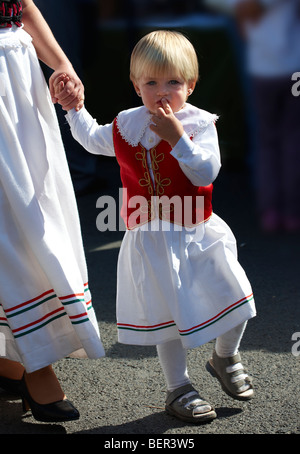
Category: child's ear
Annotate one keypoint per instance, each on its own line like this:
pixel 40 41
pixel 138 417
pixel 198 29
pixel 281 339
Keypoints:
pixel 136 87
pixel 192 85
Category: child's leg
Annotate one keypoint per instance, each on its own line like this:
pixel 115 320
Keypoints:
pixel 172 358
pixel 226 365
pixel 183 401
pixel 228 344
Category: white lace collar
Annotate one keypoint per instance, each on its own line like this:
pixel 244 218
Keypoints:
pixel 132 123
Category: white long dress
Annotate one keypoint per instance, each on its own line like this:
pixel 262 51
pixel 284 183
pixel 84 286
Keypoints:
pixel 46 311
pixel 174 282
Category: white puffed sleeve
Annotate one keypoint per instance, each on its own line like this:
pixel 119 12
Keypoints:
pixel 199 158
pixel 95 138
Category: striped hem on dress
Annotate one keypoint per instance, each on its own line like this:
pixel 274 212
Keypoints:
pixel 49 317
pixel 186 332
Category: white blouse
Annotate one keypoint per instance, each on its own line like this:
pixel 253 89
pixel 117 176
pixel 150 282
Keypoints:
pixel 199 158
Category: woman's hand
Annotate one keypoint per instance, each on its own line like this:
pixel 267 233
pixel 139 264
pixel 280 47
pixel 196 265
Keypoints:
pixel 72 92
pixel 166 125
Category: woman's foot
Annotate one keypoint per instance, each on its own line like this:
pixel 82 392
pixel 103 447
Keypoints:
pixel 42 394
pixel 11 373
pixel 43 386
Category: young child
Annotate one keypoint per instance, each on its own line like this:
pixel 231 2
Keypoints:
pixel 179 284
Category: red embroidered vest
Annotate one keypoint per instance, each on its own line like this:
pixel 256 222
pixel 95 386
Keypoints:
pixel 172 195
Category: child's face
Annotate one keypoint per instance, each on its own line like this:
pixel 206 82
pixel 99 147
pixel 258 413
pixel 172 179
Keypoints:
pixel 169 86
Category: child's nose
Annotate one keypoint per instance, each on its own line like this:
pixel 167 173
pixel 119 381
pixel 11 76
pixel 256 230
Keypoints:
pixel 162 90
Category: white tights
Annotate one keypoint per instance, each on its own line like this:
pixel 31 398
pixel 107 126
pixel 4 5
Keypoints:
pixel 173 358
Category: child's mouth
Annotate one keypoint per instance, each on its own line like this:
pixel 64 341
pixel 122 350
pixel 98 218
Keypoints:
pixel 160 103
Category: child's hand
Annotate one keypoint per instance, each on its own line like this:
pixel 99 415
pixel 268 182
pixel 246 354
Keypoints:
pixel 166 125
pixel 58 85
pixel 64 93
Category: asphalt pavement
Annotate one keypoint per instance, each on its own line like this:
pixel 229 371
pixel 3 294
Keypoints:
pixel 121 397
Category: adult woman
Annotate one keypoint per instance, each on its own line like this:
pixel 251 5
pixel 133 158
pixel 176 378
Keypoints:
pixel 45 305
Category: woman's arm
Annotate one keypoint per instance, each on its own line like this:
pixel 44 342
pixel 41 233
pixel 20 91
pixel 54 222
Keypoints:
pixel 49 52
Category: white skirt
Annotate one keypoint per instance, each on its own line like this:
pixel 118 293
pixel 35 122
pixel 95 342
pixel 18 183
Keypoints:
pixel 176 283
pixel 45 304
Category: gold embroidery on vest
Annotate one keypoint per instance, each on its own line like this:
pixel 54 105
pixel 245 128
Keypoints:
pixel 156 158
pixel 148 209
pixel 146 181
pixel 160 182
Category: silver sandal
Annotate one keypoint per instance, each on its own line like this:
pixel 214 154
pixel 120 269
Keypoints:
pixel 231 374
pixel 186 404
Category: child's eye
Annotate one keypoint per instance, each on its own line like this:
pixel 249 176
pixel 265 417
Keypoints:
pixel 151 82
pixel 173 82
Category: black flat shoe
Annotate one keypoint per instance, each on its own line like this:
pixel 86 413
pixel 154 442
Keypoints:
pixel 60 411
pixel 10 385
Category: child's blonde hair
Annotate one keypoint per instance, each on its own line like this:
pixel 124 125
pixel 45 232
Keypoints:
pixel 164 51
